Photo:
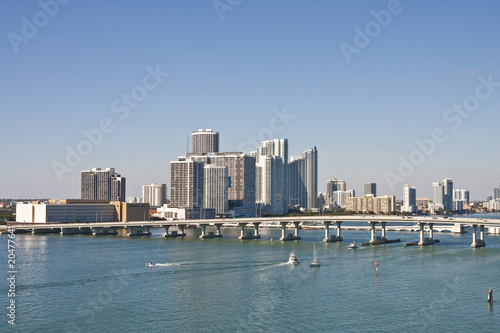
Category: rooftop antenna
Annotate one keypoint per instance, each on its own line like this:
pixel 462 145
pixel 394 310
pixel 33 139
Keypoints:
pixel 187 145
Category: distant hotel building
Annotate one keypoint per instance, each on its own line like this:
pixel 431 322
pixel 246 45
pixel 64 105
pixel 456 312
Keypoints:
pixel 369 203
pixel 409 199
pixel 154 194
pixel 303 180
pixel 371 188
pixel 97 184
pixel 205 141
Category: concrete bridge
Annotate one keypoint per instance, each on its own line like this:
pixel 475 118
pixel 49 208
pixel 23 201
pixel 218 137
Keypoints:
pixel 141 228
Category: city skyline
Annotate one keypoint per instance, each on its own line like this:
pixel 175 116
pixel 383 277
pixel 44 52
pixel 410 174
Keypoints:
pixel 414 102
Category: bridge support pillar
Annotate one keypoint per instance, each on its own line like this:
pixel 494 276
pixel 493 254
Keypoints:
pixel 138 231
pixel 327 230
pixel 421 224
pixel 256 232
pixel 203 230
pixel 174 233
pixel 383 229
pixel 372 236
pixel 477 242
pixel 296 230
pixel 242 233
pixel 289 237
pixel 104 231
pixel 431 231
pixel 283 230
pixel 182 226
pixel 204 233
pixel 218 225
pixel 339 230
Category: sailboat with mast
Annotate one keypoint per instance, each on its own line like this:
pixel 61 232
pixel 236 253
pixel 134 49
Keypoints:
pixel 315 262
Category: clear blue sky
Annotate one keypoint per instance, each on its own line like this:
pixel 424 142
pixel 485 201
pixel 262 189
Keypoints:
pixel 230 74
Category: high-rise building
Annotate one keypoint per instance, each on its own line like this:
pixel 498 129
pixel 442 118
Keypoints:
pixel 154 194
pixel 205 141
pixel 186 184
pixel 461 195
pixel 409 199
pixel 271 173
pixel 371 188
pixel 448 194
pixel 333 185
pixel 97 184
pixel 241 174
pixel 215 188
pixel 437 193
pixel 303 180
pixel 496 193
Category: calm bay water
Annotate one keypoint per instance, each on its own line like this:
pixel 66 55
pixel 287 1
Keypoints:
pixel 101 284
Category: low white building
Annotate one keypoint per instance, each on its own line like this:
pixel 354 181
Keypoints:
pixel 56 213
pixel 173 213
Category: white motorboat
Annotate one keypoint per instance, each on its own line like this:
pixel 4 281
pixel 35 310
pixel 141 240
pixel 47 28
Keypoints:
pixel 315 262
pixel 293 259
pixel 353 245
pixel 150 264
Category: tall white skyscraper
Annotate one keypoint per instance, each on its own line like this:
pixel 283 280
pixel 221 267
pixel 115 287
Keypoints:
pixel 271 169
pixel 215 188
pixel 205 141
pixel 154 194
pixel 409 199
pixel 102 184
pixel 303 180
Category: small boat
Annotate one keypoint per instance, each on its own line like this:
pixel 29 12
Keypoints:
pixel 293 259
pixel 150 264
pixel 315 262
pixel 353 245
